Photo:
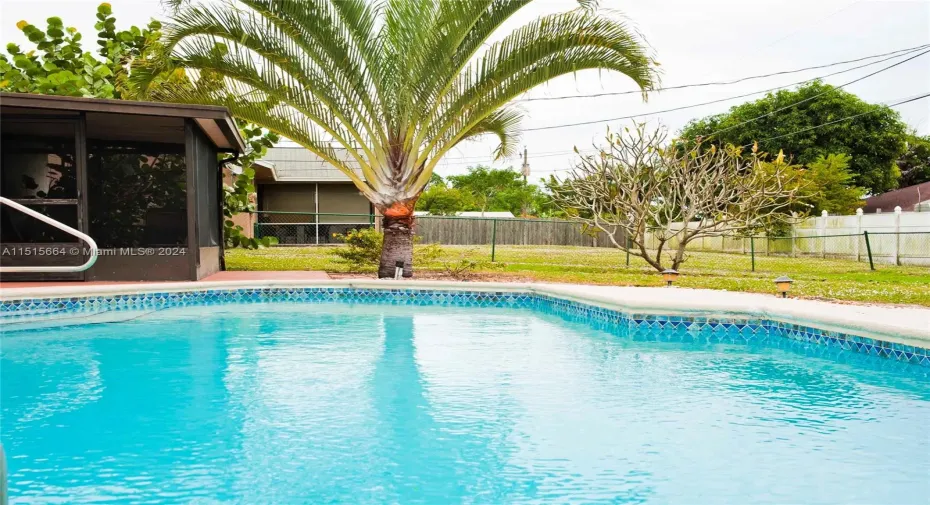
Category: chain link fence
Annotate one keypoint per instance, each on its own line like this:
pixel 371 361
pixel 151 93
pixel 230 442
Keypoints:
pixel 307 228
pixel 861 250
pixel 840 252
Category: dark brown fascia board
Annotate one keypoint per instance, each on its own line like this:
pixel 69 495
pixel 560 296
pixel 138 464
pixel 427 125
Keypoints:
pixel 228 125
pixel 105 105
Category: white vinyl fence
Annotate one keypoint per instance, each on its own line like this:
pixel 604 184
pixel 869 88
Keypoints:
pixel 898 238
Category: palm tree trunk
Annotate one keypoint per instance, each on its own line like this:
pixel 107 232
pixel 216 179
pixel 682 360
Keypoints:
pixel 397 225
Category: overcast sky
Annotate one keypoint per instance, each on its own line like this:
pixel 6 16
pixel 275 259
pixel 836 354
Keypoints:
pixel 693 41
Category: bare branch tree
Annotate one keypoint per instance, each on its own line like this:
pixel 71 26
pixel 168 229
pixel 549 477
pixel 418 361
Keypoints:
pixel 652 197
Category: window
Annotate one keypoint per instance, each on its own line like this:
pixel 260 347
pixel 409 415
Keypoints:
pixel 137 194
pixel 37 163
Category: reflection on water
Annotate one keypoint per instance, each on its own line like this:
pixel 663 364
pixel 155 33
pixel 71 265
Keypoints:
pixel 62 378
pixel 363 404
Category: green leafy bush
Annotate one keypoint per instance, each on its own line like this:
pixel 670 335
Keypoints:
pixel 362 251
pixel 237 196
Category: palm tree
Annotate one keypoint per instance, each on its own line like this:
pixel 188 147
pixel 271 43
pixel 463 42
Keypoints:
pixel 395 83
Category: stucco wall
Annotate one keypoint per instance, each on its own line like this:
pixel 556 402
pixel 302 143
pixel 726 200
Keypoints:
pixel 246 221
pixel 335 198
pixel 291 197
pixel 342 199
pixel 209 262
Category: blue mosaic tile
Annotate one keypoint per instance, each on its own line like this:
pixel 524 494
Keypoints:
pixel 637 326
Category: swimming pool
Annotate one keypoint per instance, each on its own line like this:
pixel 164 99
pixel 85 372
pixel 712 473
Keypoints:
pixel 509 399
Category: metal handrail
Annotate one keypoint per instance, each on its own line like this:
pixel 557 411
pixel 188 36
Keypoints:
pixel 61 226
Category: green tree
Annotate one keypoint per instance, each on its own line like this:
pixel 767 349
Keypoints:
pixel 441 200
pixel 435 179
pixel 915 163
pixel 493 189
pixel 829 186
pixel 874 140
pixel 555 186
pixel 237 197
pixel 823 185
pixel 60 66
pixel 484 184
pixel 522 200
pixel 397 84
pixel 484 189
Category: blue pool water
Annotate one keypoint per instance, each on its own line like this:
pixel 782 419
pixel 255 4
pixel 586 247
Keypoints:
pixel 338 403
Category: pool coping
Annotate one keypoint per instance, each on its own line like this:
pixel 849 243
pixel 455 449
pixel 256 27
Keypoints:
pixel 908 326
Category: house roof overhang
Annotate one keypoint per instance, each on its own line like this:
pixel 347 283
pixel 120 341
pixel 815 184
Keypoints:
pixel 264 171
pixel 215 122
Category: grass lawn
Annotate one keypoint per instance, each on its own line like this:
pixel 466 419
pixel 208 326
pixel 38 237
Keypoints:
pixel 814 277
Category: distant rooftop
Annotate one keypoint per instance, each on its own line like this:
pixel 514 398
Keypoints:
pixel 478 213
pixel 296 164
pixel 474 213
pixel 910 199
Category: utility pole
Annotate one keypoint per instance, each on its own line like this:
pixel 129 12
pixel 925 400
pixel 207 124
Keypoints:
pixel 526 165
pixel 526 174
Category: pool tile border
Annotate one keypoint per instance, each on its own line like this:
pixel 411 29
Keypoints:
pixel 637 326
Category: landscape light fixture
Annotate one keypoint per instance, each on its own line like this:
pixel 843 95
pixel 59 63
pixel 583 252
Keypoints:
pixel 783 284
pixel 670 276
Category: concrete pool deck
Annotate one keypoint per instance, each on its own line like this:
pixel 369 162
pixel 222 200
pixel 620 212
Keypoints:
pixel 904 325
pixel 228 275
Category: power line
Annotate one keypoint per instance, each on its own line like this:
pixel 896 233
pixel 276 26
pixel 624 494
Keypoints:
pixel 485 157
pixel 895 54
pixel 725 83
pixel 817 95
pixel 556 153
pixel 582 123
pixel 461 161
pixel 835 121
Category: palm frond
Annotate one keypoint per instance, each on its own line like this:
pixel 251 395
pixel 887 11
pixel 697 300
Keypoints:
pixel 395 83
pixel 503 123
pixel 542 50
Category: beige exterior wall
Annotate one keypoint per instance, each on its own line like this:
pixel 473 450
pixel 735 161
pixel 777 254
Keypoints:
pixel 209 262
pixel 335 198
pixel 342 199
pixel 296 197
pixel 246 222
